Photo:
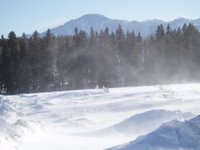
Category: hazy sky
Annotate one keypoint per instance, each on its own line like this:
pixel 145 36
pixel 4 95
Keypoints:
pixel 29 15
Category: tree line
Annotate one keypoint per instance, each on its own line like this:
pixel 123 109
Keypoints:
pixel 87 60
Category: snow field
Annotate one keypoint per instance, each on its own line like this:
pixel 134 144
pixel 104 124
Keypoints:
pixel 92 119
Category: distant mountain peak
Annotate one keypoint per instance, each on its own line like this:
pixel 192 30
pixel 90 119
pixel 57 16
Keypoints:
pixel 100 22
pixel 153 20
pixel 92 18
pixel 182 18
pixel 93 15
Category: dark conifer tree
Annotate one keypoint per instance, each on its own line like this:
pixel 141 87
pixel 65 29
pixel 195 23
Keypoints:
pixel 45 63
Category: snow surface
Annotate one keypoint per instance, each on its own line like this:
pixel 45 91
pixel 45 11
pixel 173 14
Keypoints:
pixel 174 135
pixel 97 120
pixel 144 123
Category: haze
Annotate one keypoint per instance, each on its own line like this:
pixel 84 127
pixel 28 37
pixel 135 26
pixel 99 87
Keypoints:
pixel 26 16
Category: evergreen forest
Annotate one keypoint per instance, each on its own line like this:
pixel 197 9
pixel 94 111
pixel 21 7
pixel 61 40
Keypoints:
pixel 35 63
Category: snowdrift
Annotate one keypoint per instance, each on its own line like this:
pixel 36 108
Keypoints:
pixel 174 135
pixel 142 123
pixel 11 128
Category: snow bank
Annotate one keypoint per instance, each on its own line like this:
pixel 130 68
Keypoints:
pixel 11 128
pixel 7 107
pixel 141 123
pixel 144 122
pixel 21 128
pixel 175 135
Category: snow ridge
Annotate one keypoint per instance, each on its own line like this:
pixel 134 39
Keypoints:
pixel 174 135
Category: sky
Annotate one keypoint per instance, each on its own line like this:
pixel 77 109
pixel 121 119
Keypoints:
pixel 26 16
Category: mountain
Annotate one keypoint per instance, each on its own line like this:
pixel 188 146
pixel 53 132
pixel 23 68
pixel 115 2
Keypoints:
pixel 100 22
pixel 174 135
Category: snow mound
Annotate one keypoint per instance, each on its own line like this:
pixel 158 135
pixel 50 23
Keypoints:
pixel 12 128
pixel 7 107
pixel 21 127
pixel 144 122
pixel 175 135
pixel 12 133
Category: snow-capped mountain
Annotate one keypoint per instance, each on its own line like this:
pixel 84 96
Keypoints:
pixel 100 22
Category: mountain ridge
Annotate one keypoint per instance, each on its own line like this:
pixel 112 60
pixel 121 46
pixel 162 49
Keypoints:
pixel 99 22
